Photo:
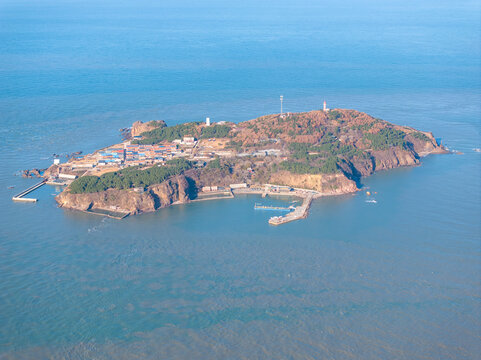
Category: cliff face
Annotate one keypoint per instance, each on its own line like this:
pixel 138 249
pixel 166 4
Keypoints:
pixel 394 157
pixel 170 191
pixel 427 146
pixel 140 127
pixel 359 167
pixel 326 184
pixel 153 198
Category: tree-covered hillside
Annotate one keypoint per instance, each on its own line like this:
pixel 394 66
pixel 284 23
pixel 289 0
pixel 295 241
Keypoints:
pixel 129 178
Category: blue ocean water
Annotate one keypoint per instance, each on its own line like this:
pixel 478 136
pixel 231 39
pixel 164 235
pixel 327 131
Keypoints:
pixel 399 279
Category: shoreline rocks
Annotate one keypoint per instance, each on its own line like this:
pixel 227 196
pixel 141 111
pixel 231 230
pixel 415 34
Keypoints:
pixel 29 173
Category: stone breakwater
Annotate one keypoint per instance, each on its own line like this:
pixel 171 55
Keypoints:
pixel 300 212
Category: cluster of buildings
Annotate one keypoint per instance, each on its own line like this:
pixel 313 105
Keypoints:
pixel 128 154
pixel 149 153
pixel 111 156
pixel 136 154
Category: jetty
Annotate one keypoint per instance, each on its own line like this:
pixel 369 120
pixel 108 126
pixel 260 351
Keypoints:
pixel 111 213
pixel 300 212
pixel 295 212
pixel 20 196
pixel 278 208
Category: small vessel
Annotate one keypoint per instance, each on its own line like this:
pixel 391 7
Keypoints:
pixel 477 150
pixel 372 201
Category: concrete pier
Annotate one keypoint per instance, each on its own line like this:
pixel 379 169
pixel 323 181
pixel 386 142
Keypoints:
pixel 280 208
pixel 300 212
pixel 20 196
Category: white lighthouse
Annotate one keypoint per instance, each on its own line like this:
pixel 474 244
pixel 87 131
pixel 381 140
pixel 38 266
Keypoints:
pixel 324 108
pixel 207 121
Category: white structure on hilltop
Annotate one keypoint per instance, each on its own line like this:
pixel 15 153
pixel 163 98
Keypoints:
pixel 282 99
pixel 324 108
pixel 188 140
pixel 207 121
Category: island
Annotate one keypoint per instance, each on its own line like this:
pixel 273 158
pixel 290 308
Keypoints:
pixel 307 154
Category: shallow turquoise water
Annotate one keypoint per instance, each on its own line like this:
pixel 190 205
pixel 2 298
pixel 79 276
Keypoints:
pixel 399 279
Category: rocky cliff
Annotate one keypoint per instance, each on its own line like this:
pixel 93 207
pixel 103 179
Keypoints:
pixel 326 184
pixel 426 145
pixel 394 157
pixel 157 196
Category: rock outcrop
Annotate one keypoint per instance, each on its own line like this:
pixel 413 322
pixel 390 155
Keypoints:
pixel 32 173
pixel 53 170
pixel 140 127
pixel 133 201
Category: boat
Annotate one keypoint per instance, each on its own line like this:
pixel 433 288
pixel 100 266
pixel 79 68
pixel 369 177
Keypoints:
pixel 372 201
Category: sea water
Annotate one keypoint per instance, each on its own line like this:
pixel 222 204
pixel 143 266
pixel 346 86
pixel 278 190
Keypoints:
pixel 395 279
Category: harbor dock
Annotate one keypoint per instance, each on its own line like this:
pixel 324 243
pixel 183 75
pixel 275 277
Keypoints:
pixel 296 212
pixel 278 208
pixel 300 212
pixel 20 196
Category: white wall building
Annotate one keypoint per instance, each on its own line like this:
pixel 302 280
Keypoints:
pixel 238 186
pixel 189 140
pixel 67 176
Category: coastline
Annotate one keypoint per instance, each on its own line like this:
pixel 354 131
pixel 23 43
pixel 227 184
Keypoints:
pixel 328 155
pixel 299 212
